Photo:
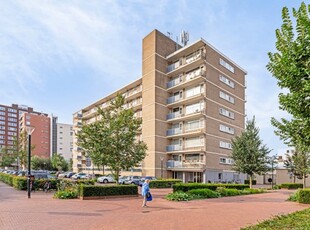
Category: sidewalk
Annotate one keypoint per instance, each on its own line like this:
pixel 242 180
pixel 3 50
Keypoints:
pixel 43 212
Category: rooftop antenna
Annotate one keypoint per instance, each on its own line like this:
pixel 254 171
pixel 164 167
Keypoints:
pixel 184 37
pixel 169 34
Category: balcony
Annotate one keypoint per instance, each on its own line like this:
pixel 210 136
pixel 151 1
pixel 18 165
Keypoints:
pixel 173 115
pixel 176 116
pixel 185 165
pixel 171 132
pixel 171 148
pixel 174 99
pixel 185 80
pixel 186 62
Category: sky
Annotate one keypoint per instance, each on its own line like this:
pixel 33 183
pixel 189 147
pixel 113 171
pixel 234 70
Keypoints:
pixel 60 56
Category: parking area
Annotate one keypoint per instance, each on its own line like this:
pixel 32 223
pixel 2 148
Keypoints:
pixel 44 212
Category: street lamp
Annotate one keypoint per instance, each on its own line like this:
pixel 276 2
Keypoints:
pixel 273 158
pixel 29 130
pixel 161 167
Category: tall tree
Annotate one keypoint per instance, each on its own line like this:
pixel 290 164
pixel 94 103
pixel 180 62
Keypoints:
pixel 41 163
pixel 302 165
pixel 289 164
pixel 290 65
pixel 248 152
pixel 111 140
pixel 59 162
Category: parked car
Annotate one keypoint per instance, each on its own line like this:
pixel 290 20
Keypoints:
pixel 66 175
pixel 123 180
pixel 106 179
pixel 133 180
pixel 79 176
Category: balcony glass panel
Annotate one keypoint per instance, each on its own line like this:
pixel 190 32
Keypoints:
pixel 174 99
pixel 171 132
pixel 173 115
pixel 174 148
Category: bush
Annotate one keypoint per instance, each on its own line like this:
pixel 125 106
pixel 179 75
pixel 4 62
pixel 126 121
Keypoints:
pixel 304 196
pixel 248 182
pixel 186 187
pixel 294 197
pixel 252 191
pixel 69 193
pixel 20 183
pixel 112 190
pixel 179 196
pixel 291 185
pixel 7 178
pixel 164 183
pixel 203 193
pixel 228 191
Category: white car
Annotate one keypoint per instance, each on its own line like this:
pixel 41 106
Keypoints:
pixel 106 179
pixel 80 176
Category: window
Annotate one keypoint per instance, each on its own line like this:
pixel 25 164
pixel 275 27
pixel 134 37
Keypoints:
pixel 12 114
pixel 227 113
pixel 227 161
pixel 194 91
pixel 225 145
pixel 192 125
pixel 194 108
pixel 10 138
pixel 12 124
pixel 12 129
pixel 10 142
pixel 2 132
pixel 194 142
pixel 227 97
pixel 2 108
pixel 2 118
pixel 1 142
pixel 227 129
pixel 2 123
pixel 12 119
pixel 1 137
pixel 226 65
pixel 2 113
pixel 12 134
pixel 2 127
pixel 227 81
pixel 12 110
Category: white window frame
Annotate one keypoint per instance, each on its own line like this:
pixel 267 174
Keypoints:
pixel 227 81
pixel 227 65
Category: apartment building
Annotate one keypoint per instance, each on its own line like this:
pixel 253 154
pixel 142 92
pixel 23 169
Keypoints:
pixel 192 103
pixel 40 137
pixel 65 140
pixel 9 122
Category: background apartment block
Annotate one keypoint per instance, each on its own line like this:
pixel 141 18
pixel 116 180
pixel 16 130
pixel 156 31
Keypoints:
pixel 65 140
pixel 192 103
pixel 40 138
pixel 9 122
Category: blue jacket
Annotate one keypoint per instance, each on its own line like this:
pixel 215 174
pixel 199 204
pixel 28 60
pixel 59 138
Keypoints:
pixel 145 188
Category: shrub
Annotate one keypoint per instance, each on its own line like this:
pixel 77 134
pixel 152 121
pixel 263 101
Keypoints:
pixel 228 191
pixel 69 193
pixel 252 191
pixel 203 193
pixel 294 197
pixel 111 190
pixel 248 182
pixel 304 196
pixel 186 187
pixel 20 183
pixel 7 178
pixel 179 196
pixel 291 185
pixel 164 183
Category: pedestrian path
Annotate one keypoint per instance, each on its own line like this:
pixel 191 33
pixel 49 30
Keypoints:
pixel 43 212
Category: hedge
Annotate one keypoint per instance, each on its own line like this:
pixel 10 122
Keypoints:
pixel 7 178
pixel 291 185
pixel 304 196
pixel 164 183
pixel 110 190
pixel 186 187
pixel 204 193
pixel 248 182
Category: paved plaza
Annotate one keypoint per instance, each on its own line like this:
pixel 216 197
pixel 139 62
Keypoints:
pixel 17 212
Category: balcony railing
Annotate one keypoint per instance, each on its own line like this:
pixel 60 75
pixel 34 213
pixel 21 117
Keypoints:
pixel 185 164
pixel 185 78
pixel 171 148
pixel 171 132
pixel 173 99
pixel 173 115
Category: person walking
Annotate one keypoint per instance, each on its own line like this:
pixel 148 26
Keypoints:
pixel 145 191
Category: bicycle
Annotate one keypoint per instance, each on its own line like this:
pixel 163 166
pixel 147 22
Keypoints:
pixel 47 186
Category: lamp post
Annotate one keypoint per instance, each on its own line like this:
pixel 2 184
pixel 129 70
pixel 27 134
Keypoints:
pixel 29 130
pixel 162 167
pixel 273 158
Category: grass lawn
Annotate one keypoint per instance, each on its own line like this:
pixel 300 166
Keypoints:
pixel 298 220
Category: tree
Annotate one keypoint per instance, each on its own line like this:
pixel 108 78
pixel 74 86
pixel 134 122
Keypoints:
pixel 41 163
pixel 59 162
pixel 7 157
pixel 111 140
pixel 290 65
pixel 249 154
pixel 289 164
pixel 301 165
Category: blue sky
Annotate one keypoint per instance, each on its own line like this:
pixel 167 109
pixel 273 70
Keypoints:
pixel 60 56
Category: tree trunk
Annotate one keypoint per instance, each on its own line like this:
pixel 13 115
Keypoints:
pixel 304 181
pixel 294 179
pixel 250 181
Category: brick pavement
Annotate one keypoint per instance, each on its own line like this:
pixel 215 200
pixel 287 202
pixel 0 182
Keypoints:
pixel 43 212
